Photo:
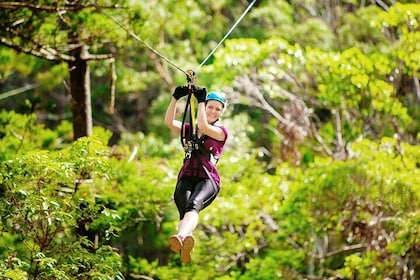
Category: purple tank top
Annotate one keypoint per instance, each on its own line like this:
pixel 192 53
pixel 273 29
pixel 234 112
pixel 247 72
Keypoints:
pixel 212 150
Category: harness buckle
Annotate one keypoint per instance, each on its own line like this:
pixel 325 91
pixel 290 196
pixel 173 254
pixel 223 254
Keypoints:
pixel 190 147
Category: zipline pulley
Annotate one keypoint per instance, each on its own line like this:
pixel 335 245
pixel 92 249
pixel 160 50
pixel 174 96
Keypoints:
pixel 190 77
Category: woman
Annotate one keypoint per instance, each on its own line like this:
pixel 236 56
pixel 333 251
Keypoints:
pixel 198 180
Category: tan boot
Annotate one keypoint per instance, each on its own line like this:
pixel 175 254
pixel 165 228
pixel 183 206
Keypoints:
pixel 175 243
pixel 186 249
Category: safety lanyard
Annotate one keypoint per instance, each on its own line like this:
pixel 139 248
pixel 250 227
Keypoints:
pixel 190 111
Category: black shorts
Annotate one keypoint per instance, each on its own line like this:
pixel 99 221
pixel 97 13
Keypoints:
pixel 194 194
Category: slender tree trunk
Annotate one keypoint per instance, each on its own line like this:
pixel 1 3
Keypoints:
pixel 80 93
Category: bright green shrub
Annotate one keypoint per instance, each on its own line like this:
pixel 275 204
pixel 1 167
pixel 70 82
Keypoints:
pixel 20 134
pixel 49 209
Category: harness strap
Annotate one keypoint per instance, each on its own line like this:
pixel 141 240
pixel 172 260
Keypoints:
pixel 189 109
pixel 184 137
pixel 192 114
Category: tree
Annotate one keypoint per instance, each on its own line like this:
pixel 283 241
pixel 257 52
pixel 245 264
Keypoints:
pixel 59 32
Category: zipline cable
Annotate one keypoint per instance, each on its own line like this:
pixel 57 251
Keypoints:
pixel 131 33
pixel 227 35
pixel 145 43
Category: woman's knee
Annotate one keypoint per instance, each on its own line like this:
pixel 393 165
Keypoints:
pixel 194 205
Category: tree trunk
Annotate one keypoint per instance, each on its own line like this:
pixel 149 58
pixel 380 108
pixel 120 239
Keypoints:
pixel 80 93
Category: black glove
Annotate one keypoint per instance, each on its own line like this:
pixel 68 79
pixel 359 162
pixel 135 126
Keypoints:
pixel 180 91
pixel 200 93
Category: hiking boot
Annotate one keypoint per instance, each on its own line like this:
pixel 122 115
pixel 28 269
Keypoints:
pixel 175 243
pixel 186 249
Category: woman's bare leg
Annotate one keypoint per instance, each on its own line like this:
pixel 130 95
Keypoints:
pixel 188 224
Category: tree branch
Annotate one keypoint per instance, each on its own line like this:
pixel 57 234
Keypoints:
pixel 343 250
pixel 244 83
pixel 17 91
pixel 43 52
pixel 341 153
pixel 320 140
pixel 163 73
pixel 417 86
pixel 112 85
pixel 67 7
pixel 105 56
pixel 48 53
pixel 382 4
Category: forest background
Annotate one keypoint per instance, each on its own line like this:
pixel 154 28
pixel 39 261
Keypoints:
pixel 320 177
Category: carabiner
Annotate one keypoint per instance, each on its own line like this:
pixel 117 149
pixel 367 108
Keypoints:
pixel 190 77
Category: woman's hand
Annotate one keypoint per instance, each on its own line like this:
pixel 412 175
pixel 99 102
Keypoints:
pixel 180 91
pixel 200 94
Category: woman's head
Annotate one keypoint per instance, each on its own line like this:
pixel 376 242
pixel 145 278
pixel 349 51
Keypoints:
pixel 215 105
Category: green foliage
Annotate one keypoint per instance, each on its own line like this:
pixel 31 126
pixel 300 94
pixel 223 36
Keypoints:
pixel 358 30
pixel 407 239
pixel 280 42
pixel 405 19
pixel 20 134
pixel 10 63
pixel 277 18
pixel 45 198
pixel 52 78
pixel 347 83
pixel 65 210
pixel 83 210
pixel 355 85
pixel 350 203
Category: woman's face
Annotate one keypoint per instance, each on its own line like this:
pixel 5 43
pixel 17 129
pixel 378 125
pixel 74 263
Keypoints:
pixel 214 110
